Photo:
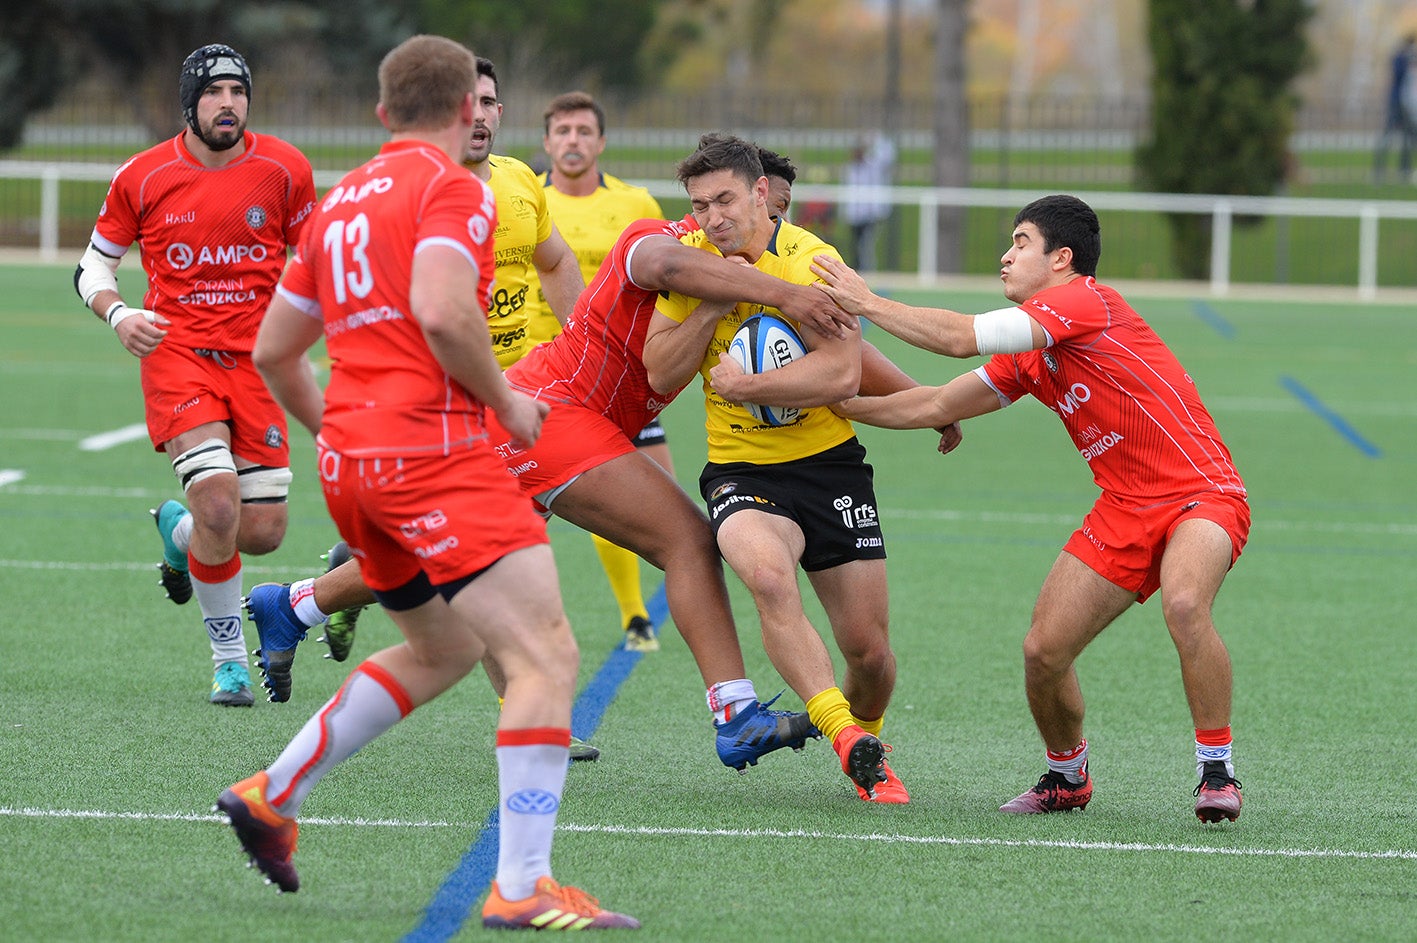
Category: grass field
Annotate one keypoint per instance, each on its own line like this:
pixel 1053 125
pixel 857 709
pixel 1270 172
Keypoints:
pixel 113 757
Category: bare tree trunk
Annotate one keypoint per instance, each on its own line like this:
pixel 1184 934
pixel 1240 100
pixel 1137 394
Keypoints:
pixel 951 114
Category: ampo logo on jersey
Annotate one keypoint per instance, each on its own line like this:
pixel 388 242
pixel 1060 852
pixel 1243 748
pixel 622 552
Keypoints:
pixel 1077 395
pixel 181 256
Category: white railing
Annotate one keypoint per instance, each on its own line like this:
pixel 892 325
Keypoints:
pixel 1222 210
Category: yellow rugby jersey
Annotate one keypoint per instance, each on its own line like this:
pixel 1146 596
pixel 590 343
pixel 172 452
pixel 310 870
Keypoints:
pixel 523 223
pixel 590 225
pixel 733 434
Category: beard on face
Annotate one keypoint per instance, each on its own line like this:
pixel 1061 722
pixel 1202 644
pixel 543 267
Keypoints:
pixel 221 138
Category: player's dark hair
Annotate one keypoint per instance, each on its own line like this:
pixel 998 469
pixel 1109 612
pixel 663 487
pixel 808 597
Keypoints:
pixel 573 101
pixel 720 151
pixel 1064 220
pixel 485 67
pixel 777 165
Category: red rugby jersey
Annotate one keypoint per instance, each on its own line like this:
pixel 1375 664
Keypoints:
pixel 1131 408
pixel 212 240
pixel 597 361
pixel 387 394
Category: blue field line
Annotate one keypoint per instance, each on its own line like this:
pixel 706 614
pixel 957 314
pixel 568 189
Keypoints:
pixel 1212 317
pixel 451 905
pixel 1340 425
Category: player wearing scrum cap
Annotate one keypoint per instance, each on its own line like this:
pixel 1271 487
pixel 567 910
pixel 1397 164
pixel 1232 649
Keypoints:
pixel 213 211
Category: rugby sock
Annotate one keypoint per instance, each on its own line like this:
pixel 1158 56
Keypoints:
pixel 368 703
pixel 1070 763
pixel 182 533
pixel 218 592
pixel 830 712
pixel 728 699
pixel 1215 746
pixel 873 727
pixel 302 601
pixel 531 768
pixel 622 568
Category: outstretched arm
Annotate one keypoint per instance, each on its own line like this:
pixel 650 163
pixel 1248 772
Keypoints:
pixel 938 330
pixel 880 376
pixel 924 407
pixel 664 263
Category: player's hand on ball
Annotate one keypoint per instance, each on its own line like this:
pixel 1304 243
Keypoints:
pixel 727 378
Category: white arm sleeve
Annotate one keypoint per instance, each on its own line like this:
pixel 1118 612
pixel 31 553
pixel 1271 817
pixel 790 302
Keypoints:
pixel 96 273
pixel 1004 331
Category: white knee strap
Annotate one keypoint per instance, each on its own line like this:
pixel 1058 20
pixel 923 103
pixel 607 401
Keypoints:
pixel 263 485
pixel 212 457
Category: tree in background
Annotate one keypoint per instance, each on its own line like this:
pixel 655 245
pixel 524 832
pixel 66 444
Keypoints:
pixel 584 42
pixel 1222 105
pixel 136 48
pixel 34 67
pixel 951 119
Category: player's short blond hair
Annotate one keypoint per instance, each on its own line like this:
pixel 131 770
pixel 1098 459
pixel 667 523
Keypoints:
pixel 423 81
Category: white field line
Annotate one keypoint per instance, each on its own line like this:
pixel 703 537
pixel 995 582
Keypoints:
pixel 9 476
pixel 1394 528
pixel 893 839
pixel 107 440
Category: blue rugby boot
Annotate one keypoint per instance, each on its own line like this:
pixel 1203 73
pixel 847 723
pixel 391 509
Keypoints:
pixel 172 571
pixel 268 605
pixel 757 731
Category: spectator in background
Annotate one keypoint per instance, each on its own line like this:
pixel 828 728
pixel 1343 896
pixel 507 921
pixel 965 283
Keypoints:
pixel 866 205
pixel 1401 117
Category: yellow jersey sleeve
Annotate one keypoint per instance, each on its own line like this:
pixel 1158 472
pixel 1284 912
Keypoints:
pixel 523 223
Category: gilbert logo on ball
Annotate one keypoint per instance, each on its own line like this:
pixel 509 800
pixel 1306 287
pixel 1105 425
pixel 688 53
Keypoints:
pixel 766 342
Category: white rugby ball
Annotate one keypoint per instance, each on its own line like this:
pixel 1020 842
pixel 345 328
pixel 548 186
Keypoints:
pixel 766 342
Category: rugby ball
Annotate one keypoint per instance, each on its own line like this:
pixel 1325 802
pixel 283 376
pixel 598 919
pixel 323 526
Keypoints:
pixel 766 342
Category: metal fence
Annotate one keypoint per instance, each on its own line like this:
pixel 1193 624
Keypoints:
pixel 1337 224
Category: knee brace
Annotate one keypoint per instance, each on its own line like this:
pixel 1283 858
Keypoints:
pixel 261 484
pixel 212 457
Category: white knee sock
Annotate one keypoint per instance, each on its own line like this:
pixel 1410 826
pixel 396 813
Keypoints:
pixel 368 703
pixel 531 765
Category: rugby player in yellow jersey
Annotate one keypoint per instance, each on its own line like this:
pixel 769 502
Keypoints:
pixel 799 494
pixel 591 208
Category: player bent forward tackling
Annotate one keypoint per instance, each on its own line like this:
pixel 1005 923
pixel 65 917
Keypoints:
pixel 585 467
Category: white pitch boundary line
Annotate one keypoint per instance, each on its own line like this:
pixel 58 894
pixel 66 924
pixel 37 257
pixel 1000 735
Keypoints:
pixel 9 476
pixel 104 441
pixel 1401 854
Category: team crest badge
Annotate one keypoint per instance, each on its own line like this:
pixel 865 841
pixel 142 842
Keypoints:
pixel 256 217
pixel 1050 361
pixel 273 437
pixel 723 489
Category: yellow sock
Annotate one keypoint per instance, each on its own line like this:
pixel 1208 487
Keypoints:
pixel 622 568
pixel 830 712
pixel 873 727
